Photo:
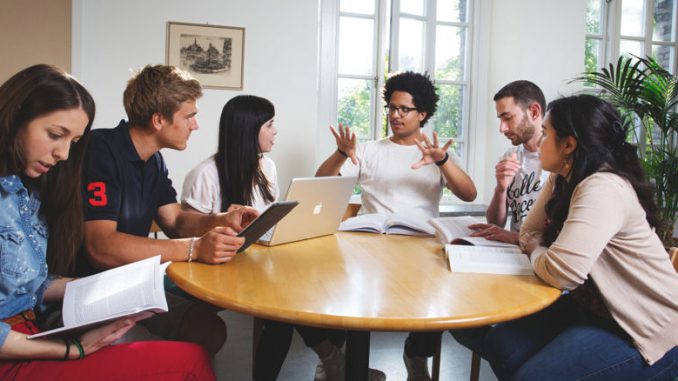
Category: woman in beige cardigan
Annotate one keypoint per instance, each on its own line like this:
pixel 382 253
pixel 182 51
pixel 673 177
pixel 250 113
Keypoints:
pixel 591 232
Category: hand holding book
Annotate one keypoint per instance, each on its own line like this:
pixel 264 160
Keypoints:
pixel 459 230
pixel 135 291
pixel 494 233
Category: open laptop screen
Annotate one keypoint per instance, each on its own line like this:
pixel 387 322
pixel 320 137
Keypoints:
pixel 322 203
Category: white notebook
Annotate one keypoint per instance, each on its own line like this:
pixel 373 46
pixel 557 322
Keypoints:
pixel 488 260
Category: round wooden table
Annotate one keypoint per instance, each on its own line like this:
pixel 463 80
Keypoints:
pixel 362 282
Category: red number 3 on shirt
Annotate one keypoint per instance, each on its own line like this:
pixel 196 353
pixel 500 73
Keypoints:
pixel 98 190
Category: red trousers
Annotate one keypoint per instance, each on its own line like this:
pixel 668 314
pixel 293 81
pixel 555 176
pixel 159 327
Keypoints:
pixel 144 360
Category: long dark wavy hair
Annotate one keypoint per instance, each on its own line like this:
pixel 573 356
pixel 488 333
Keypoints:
pixel 237 158
pixel 31 93
pixel 601 146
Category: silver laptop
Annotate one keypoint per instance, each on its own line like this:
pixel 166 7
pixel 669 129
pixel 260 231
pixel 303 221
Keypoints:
pixel 322 204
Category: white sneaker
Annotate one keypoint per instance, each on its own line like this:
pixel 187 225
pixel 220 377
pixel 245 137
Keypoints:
pixel 417 368
pixel 333 368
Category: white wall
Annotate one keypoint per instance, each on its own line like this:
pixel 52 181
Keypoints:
pixel 111 37
pixel 538 40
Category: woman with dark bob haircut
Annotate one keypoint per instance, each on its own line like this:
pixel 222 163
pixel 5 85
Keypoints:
pixel 591 233
pixel 45 117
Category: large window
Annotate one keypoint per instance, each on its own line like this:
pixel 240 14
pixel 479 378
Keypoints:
pixel 638 27
pixel 373 38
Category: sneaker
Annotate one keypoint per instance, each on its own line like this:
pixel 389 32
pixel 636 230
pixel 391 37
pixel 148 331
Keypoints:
pixel 333 368
pixel 417 368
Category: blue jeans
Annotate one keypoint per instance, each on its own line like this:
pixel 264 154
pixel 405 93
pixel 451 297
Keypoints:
pixel 564 342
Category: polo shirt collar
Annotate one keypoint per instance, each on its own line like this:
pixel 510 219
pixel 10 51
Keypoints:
pixel 130 151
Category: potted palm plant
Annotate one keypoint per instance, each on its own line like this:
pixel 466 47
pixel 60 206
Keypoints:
pixel 647 96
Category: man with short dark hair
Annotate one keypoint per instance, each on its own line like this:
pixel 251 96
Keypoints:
pixel 520 108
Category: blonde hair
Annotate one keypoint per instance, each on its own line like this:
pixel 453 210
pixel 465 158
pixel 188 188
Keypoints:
pixel 158 88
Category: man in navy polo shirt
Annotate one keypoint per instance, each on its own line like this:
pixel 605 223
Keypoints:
pixel 126 186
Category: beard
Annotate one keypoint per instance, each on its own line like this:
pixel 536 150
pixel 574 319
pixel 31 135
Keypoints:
pixel 523 133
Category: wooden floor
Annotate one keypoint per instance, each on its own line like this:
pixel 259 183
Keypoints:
pixel 233 362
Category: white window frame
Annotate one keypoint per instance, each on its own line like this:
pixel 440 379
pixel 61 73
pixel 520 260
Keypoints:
pixel 431 22
pixel 611 38
pixel 328 71
pixel 611 29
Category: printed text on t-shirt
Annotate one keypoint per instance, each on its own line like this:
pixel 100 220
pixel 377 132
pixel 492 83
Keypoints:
pixel 98 191
pixel 514 193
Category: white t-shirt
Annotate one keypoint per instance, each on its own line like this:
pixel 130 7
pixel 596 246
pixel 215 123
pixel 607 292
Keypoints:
pixel 389 183
pixel 201 189
pixel 524 189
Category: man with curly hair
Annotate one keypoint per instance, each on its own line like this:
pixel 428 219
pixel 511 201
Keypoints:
pixel 403 160
pixel 396 173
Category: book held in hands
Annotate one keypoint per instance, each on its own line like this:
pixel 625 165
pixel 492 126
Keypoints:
pixel 135 290
pixel 402 222
pixel 488 260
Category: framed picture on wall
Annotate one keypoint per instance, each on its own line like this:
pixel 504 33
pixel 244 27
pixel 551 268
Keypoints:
pixel 213 54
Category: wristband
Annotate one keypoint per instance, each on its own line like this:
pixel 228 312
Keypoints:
pixel 443 160
pixel 80 348
pixel 342 153
pixel 68 349
pixel 190 250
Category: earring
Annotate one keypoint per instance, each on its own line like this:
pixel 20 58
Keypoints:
pixel 566 163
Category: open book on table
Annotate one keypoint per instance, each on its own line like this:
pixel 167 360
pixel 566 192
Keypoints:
pixel 402 222
pixel 455 230
pixel 488 260
pixel 135 290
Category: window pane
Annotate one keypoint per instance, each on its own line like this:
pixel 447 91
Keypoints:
pixel 411 45
pixel 592 54
pixel 458 149
pixel 447 121
pixel 593 13
pixel 628 47
pixel 413 7
pixel 353 105
pixel 664 56
pixel 450 44
pixel 632 20
pixel 663 20
pixel 452 10
pixel 365 7
pixel 355 45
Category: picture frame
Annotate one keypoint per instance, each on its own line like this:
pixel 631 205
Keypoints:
pixel 212 54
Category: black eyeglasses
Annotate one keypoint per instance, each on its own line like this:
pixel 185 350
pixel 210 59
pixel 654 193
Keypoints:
pixel 402 110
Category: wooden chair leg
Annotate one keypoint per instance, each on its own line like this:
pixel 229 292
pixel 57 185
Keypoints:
pixel 257 327
pixel 435 367
pixel 475 367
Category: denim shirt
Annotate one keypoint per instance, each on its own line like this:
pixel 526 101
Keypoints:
pixel 23 251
